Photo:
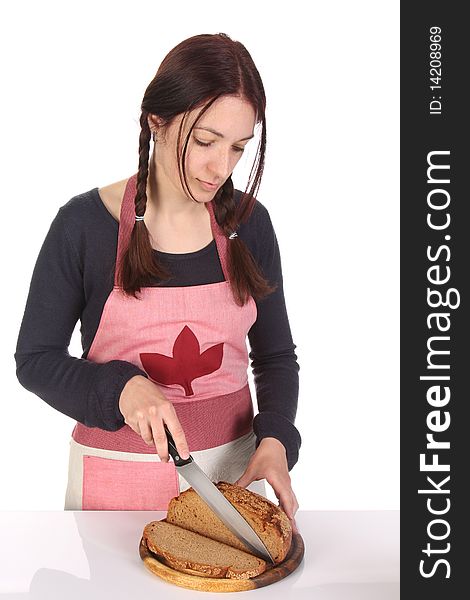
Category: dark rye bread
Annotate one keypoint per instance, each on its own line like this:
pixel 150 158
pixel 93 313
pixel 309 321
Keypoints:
pixel 193 553
pixel 271 523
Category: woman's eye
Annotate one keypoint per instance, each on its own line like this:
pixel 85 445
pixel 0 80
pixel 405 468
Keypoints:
pixel 199 143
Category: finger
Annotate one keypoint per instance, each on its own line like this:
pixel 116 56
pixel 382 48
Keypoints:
pixel 133 425
pixel 287 508
pixel 293 523
pixel 160 439
pixel 179 438
pixel 145 432
pixel 295 504
pixel 288 502
pixel 245 480
pixel 285 495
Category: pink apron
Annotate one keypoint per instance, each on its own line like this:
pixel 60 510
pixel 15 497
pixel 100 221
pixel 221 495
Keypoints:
pixel 191 341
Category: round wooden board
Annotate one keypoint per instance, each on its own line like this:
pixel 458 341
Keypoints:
pixel 209 584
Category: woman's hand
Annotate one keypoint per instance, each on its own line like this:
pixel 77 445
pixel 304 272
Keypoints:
pixel 270 462
pixel 145 409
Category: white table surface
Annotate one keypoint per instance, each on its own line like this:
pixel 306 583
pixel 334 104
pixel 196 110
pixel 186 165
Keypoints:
pixel 92 555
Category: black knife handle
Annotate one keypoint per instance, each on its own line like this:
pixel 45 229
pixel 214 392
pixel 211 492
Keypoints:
pixel 179 462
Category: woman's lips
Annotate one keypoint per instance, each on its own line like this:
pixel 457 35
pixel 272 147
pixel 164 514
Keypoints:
pixel 208 186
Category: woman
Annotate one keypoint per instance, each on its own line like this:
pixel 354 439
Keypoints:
pixel 169 271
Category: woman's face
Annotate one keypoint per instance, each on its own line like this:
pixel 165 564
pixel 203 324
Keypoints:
pixel 215 146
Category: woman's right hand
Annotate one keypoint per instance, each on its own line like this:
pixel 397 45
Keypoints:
pixel 145 409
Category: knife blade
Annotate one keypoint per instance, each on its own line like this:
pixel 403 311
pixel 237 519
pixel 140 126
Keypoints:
pixel 227 513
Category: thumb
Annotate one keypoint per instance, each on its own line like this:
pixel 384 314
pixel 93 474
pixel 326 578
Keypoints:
pixel 244 480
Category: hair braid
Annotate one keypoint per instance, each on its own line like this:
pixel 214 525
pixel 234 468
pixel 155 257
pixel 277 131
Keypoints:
pixel 142 174
pixel 139 266
pixel 225 208
pixel 244 273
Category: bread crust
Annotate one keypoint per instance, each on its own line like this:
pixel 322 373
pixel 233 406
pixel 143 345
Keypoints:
pixel 201 570
pixel 267 519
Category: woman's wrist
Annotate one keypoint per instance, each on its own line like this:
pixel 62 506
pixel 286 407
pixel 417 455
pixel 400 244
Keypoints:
pixel 273 443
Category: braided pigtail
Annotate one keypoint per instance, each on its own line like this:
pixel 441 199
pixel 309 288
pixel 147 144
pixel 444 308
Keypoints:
pixel 139 265
pixel 245 276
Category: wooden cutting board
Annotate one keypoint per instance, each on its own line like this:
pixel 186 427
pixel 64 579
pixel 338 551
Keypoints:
pixel 209 584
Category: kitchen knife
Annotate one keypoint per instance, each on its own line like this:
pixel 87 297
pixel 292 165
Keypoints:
pixel 227 513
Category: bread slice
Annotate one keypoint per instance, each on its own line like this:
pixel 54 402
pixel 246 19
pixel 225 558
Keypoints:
pixel 193 553
pixel 189 511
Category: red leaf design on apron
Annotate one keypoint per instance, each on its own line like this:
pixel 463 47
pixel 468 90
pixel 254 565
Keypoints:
pixel 186 364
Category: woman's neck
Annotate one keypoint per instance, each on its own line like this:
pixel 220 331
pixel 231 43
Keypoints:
pixel 167 202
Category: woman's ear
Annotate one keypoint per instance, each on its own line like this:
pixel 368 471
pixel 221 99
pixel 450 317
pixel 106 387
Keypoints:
pixel 155 122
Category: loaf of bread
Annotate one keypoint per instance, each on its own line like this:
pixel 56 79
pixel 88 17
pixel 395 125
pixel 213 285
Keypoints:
pixel 193 553
pixel 270 522
pixel 192 539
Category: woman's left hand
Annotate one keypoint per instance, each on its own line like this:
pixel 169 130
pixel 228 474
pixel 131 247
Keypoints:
pixel 270 462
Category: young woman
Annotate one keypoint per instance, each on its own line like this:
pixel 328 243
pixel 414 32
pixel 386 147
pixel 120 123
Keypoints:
pixel 169 271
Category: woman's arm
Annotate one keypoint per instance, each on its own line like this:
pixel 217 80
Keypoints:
pixel 84 390
pixel 273 358
pixel 275 370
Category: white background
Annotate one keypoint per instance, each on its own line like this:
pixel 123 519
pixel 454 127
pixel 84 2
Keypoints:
pixel 73 77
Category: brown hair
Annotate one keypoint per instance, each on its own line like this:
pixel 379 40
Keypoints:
pixel 196 73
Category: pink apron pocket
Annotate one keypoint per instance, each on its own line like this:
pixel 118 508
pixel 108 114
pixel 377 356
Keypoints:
pixel 110 484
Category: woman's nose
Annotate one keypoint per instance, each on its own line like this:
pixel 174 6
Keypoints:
pixel 221 165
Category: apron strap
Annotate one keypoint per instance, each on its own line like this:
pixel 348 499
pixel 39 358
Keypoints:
pixel 221 240
pixel 127 221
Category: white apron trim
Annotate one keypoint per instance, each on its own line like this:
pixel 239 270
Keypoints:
pixel 223 463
